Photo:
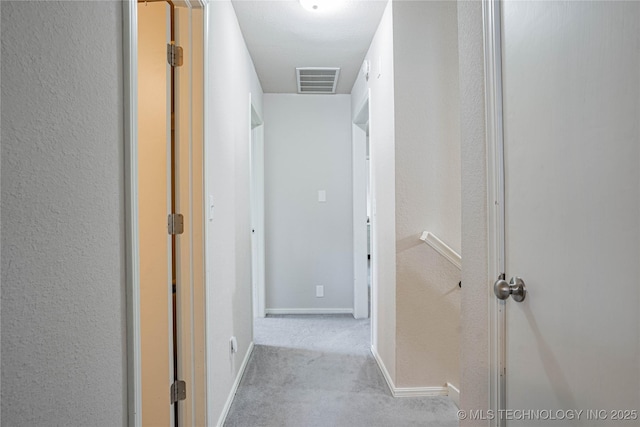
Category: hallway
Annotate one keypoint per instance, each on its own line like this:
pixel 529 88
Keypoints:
pixel 317 370
pixel 520 125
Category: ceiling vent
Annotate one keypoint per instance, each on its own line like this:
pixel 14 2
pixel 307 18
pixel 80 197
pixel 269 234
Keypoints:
pixel 317 80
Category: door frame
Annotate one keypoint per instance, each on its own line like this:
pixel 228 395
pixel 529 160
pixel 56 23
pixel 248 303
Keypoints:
pixel 132 243
pixel 492 41
pixel 360 286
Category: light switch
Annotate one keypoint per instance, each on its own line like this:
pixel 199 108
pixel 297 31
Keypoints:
pixel 210 207
pixel 322 196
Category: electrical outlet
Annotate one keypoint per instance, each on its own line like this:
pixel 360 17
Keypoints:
pixel 319 291
pixel 233 345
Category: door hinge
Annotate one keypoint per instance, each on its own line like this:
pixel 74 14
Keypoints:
pixel 174 54
pixel 175 224
pixel 178 391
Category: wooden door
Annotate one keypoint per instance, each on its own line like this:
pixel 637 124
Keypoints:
pixel 154 204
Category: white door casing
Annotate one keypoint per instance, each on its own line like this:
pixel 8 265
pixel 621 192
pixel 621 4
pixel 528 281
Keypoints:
pixel 189 201
pixel 571 111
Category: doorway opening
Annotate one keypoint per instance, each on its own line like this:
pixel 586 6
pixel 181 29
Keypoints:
pixel 165 242
pixel 364 258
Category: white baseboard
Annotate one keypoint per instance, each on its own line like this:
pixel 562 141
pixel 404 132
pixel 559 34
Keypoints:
pixel 454 394
pixel 384 371
pixel 234 388
pixel 406 391
pixel 420 391
pixel 309 310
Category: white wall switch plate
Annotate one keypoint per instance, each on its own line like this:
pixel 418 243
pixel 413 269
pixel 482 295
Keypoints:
pixel 322 196
pixel 233 344
pixel 319 291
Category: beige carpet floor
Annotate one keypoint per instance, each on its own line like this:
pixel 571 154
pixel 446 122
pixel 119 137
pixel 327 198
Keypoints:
pixel 318 371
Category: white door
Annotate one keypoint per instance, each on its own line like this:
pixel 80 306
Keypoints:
pixel 254 228
pixel 571 93
pixel 257 214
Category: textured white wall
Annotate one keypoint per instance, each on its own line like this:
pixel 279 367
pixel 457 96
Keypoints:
pixel 474 338
pixel 427 150
pixel 382 155
pixel 227 178
pixel 425 37
pixel 307 142
pixel 415 158
pixel 63 292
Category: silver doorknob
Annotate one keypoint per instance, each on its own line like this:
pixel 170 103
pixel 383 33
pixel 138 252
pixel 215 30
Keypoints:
pixel 515 288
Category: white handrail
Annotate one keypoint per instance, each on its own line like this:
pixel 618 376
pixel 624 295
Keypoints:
pixel 442 248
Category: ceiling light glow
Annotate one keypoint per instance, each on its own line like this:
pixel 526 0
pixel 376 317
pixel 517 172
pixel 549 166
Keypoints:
pixel 321 5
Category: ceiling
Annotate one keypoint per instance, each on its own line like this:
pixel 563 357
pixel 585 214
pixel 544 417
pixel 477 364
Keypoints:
pixel 281 35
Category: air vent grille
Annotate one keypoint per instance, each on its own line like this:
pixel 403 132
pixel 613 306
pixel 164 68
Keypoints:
pixel 317 80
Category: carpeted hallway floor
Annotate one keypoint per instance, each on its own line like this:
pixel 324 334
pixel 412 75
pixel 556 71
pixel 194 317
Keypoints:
pixel 318 371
